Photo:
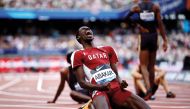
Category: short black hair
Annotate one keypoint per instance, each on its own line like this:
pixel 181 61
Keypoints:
pixel 68 57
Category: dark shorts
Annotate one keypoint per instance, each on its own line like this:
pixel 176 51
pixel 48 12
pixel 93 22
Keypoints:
pixel 149 41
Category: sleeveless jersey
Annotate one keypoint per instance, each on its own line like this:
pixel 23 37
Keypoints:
pixel 96 63
pixel 148 16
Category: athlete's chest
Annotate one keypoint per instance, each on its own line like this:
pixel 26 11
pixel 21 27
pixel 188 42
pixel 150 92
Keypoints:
pixel 95 56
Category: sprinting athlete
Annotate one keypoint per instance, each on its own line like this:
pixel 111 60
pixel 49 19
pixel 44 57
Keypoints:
pixel 148 23
pixel 96 71
pixel 159 80
pixel 77 93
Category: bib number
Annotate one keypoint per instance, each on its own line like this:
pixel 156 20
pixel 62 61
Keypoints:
pixel 104 76
pixel 147 16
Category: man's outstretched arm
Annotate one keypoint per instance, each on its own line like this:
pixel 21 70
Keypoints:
pixel 63 76
pixel 133 10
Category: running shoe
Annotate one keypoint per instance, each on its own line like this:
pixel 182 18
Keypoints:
pixel 148 95
pixel 170 95
pixel 154 88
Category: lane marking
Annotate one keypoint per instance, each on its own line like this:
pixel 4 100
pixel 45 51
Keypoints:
pixel 29 95
pixel 155 104
pixel 36 101
pixel 33 106
pixel 168 102
pixel 171 107
pixel 40 84
pixel 29 76
pixel 68 100
pixel 175 99
pixel 21 100
pixel 9 84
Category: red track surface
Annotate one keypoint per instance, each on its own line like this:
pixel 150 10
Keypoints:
pixel 32 91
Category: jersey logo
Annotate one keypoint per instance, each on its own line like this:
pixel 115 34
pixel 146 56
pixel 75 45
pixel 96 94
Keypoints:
pixel 97 69
pixel 97 56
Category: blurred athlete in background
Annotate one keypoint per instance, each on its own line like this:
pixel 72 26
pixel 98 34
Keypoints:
pixel 77 93
pixel 159 80
pixel 149 23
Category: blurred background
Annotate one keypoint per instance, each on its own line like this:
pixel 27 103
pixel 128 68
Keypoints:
pixel 35 35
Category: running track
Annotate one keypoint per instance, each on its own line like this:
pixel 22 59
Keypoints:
pixel 32 91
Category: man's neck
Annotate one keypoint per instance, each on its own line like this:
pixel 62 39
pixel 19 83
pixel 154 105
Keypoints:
pixel 88 45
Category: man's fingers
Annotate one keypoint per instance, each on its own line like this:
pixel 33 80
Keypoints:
pixel 124 84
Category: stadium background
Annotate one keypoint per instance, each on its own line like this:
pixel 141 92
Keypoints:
pixel 35 36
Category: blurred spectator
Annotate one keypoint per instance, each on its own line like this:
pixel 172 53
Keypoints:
pixel 186 62
pixel 125 44
pixel 92 5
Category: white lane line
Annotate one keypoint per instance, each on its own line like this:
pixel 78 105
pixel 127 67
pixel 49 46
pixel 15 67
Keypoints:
pixel 168 102
pixel 171 107
pixel 21 100
pixel 40 84
pixel 32 106
pixel 35 101
pixel 178 93
pixel 54 76
pixel 174 99
pixel 9 84
pixel 29 95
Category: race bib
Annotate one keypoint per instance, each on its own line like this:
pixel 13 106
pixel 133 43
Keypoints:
pixel 104 76
pixel 147 16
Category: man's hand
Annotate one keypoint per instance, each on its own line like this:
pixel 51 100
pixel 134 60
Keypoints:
pixel 165 46
pixel 123 84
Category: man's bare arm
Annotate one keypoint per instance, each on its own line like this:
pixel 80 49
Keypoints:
pixel 87 85
pixel 134 9
pixel 63 76
pixel 161 27
pixel 123 83
pixel 114 68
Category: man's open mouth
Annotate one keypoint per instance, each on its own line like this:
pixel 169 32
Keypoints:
pixel 88 33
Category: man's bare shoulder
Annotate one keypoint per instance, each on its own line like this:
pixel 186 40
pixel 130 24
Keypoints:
pixel 156 7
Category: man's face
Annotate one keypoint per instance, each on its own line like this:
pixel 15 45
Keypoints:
pixel 86 34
